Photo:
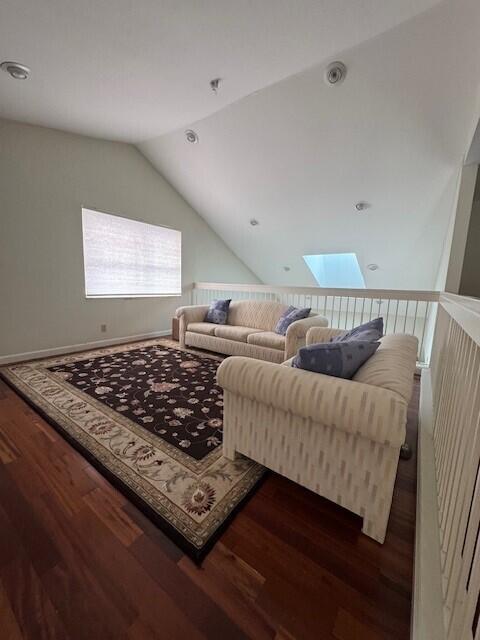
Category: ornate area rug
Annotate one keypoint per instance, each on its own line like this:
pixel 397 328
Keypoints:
pixel 149 416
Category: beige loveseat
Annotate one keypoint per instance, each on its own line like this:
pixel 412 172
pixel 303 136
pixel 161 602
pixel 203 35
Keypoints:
pixel 340 438
pixel 249 331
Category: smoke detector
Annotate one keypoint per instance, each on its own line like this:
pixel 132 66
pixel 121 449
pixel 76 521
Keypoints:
pixel 254 222
pixel 15 70
pixel 335 73
pixel 191 136
pixel 372 266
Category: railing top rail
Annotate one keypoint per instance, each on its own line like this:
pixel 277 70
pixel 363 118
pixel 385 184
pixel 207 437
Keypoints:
pixel 465 311
pixel 384 294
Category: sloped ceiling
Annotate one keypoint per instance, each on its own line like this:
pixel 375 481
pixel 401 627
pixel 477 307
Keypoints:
pixel 299 154
pixel 276 143
pixel 134 69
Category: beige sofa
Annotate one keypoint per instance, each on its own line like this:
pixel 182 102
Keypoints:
pixel 339 438
pixel 249 332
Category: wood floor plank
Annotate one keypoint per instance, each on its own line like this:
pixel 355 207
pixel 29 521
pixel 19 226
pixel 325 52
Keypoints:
pixel 108 507
pixel 29 530
pixel 346 626
pixel 205 612
pixel 33 610
pixel 73 552
pixel 9 625
pixel 283 634
pixel 160 540
pixel 83 613
pixel 8 450
pixel 241 609
pixel 115 562
pixel 45 459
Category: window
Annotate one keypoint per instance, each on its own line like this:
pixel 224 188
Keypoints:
pixel 125 258
pixel 332 270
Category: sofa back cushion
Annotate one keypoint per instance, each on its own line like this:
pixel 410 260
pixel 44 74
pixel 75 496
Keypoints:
pixel 257 314
pixel 392 366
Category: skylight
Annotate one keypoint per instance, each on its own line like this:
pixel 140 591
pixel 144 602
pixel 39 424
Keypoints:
pixel 332 270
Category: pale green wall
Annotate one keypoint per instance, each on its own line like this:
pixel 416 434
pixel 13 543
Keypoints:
pixel 45 178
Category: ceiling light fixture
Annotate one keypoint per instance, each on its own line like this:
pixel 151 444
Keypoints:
pixel 215 84
pixel 191 136
pixel 15 70
pixel 372 266
pixel 254 222
pixel 361 206
pixel 335 73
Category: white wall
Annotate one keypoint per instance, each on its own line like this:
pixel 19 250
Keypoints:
pixel 45 178
pixel 299 154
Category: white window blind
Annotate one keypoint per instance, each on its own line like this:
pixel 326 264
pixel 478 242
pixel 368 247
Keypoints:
pixel 127 258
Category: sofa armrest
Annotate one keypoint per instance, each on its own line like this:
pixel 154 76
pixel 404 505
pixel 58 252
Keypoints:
pixel 353 407
pixel 297 333
pixel 322 334
pixel 187 314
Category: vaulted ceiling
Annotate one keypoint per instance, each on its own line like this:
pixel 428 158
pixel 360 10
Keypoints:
pixel 276 143
pixel 134 69
pixel 299 154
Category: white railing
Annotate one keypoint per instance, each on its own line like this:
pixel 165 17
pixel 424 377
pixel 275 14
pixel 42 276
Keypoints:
pixel 403 311
pixel 447 562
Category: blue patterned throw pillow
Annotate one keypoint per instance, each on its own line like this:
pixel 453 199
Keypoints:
pixel 218 311
pixel 288 317
pixel 287 311
pixel 339 359
pixel 368 332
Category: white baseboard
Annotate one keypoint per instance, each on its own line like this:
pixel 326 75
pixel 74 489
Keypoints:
pixel 427 618
pixel 84 346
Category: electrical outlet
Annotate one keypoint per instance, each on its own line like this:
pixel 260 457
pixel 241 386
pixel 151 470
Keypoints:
pixel 103 328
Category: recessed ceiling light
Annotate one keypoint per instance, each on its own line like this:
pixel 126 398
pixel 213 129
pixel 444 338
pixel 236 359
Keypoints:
pixel 16 70
pixel 191 136
pixel 372 266
pixel 254 222
pixel 335 73
pixel 361 206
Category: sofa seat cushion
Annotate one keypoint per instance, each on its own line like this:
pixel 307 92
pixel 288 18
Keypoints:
pixel 207 328
pixel 240 334
pixel 268 339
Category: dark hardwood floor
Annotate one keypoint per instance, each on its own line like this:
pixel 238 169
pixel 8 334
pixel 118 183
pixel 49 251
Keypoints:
pixel 77 560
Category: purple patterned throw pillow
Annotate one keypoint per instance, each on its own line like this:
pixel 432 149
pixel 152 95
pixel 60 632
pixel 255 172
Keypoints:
pixel 218 311
pixel 368 332
pixel 286 320
pixel 340 359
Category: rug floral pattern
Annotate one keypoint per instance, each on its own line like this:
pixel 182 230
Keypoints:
pixel 177 470
pixel 166 391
